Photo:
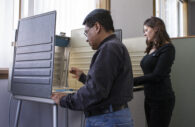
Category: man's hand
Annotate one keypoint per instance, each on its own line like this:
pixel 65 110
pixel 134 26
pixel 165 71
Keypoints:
pixel 57 96
pixel 76 72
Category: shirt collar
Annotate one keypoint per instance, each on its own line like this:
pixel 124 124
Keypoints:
pixel 106 39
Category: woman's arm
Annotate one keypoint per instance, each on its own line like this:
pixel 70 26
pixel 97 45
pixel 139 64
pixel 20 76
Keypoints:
pixel 162 68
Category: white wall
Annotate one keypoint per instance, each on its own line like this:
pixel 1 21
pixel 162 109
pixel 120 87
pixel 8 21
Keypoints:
pixel 6 32
pixel 130 15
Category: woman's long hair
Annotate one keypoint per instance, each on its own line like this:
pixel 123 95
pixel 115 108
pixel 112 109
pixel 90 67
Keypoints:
pixel 161 35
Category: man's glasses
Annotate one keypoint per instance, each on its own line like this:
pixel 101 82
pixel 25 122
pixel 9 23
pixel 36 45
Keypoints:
pixel 86 32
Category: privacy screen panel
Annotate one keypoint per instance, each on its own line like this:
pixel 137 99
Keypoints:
pixel 34 56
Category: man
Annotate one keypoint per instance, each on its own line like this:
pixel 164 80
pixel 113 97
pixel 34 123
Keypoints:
pixel 109 82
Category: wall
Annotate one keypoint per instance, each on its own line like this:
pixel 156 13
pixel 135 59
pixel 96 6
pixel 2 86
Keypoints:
pixel 130 15
pixel 191 17
pixel 136 107
pixel 182 77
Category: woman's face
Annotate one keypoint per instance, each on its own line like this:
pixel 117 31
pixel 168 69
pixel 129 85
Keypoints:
pixel 149 33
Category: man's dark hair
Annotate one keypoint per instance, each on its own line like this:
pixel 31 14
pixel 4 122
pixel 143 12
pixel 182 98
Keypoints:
pixel 101 16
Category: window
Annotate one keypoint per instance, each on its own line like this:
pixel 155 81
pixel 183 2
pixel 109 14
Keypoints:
pixel 70 13
pixel 6 32
pixel 172 12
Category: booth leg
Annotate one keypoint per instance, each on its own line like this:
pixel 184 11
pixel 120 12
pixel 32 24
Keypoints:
pixel 55 115
pixel 17 113
pixel 66 117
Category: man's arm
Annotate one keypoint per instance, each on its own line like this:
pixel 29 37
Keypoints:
pixel 99 80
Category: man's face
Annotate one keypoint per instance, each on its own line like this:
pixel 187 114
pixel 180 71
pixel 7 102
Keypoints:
pixel 91 35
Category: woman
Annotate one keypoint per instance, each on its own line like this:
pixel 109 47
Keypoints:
pixel 156 65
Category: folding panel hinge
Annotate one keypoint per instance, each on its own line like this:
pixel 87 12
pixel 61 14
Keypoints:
pixel 13 44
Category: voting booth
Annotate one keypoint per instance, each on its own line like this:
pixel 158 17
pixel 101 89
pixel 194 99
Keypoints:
pixel 33 63
pixel 32 72
pixel 40 57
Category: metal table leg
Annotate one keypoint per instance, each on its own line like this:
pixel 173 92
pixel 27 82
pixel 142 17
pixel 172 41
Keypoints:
pixel 82 120
pixel 17 113
pixel 55 115
pixel 66 117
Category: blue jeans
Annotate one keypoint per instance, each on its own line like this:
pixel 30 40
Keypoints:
pixel 121 118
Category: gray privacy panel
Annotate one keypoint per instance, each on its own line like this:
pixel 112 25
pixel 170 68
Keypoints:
pixel 183 77
pixel 34 56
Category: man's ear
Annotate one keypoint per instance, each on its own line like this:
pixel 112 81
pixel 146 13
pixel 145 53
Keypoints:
pixel 97 27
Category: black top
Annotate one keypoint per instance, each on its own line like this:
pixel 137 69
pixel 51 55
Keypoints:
pixel 157 67
pixel 109 80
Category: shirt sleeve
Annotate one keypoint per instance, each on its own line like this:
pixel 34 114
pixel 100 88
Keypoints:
pixel 99 79
pixel 82 78
pixel 162 68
